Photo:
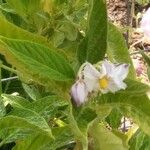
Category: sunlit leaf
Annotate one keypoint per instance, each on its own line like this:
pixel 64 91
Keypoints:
pixel 63 137
pixel 24 8
pixel 114 118
pixel 9 30
pixel 2 108
pixel 14 128
pixel 15 101
pixel 37 61
pixel 105 139
pixel 139 141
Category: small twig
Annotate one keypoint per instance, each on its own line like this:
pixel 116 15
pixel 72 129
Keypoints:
pixel 10 78
pixel 132 12
pixel 145 50
pixel 137 42
pixel 128 22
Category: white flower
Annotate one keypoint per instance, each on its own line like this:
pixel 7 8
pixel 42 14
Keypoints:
pixel 79 92
pixel 107 78
pixel 145 23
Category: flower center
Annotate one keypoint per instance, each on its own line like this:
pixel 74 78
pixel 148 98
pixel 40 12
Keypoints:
pixel 103 82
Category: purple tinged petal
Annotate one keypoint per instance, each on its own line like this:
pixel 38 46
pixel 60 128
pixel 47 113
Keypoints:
pixel 79 93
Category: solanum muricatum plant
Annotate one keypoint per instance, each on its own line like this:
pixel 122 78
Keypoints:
pixel 63 50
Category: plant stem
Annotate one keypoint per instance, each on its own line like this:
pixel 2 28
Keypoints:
pixel 132 12
pixel 0 78
pixel 9 69
pixel 76 131
pixel 128 22
pixel 2 143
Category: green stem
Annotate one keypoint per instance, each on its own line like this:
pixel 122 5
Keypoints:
pixel 75 129
pixel 132 11
pixel 9 69
pixel 2 143
pixel 0 78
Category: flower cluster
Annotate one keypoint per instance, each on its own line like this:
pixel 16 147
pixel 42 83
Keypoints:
pixel 145 23
pixel 105 77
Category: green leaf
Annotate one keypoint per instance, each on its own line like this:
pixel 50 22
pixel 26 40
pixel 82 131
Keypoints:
pixel 32 118
pixel 105 139
pixel 13 128
pixel 114 118
pixel 117 49
pixel 69 30
pixel 79 120
pixel 143 2
pixel 33 91
pixel 24 7
pixel 2 108
pixel 9 30
pixel 46 107
pixel 63 138
pixel 82 51
pixel 49 106
pixel 32 114
pixel 9 135
pixel 33 142
pixel 139 141
pixel 93 46
pixel 39 142
pixel 83 117
pixel 15 101
pixel 58 38
pixel 133 102
pixel 148 72
pixel 146 58
pixel 5 7
pixel 37 61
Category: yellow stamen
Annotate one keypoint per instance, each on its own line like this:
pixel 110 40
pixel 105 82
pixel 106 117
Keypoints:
pixel 103 82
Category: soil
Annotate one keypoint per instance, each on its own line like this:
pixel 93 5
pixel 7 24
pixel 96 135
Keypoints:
pixel 117 11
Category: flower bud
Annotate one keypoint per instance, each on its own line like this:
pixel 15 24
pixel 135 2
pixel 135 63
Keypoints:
pixel 79 92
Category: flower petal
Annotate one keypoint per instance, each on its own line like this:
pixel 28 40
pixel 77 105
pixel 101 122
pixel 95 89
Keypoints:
pixel 121 71
pixel 91 84
pixel 113 87
pixel 120 84
pixel 82 92
pixel 79 92
pixel 90 71
pixel 107 67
